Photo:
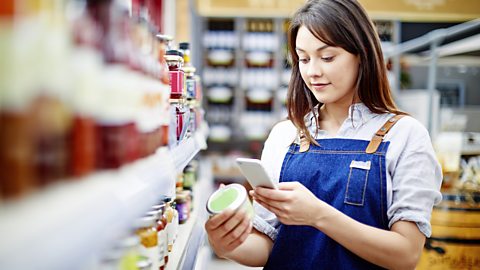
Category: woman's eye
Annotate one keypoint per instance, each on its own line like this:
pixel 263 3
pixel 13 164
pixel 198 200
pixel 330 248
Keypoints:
pixel 303 60
pixel 327 59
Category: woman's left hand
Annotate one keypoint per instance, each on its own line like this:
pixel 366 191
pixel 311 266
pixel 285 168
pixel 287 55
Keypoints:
pixel 292 203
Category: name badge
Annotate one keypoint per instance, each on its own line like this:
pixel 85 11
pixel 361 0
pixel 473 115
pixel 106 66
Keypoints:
pixel 365 165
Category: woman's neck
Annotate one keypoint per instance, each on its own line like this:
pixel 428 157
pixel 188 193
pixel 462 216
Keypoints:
pixel 334 114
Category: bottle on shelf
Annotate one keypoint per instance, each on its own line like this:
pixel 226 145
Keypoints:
pixel 182 206
pixel 160 242
pixel 174 61
pixel 162 230
pixel 146 229
pixel 172 221
pixel 129 247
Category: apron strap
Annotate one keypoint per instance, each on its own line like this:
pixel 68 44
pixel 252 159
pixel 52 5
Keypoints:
pixel 378 137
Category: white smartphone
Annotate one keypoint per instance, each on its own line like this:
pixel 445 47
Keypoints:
pixel 255 173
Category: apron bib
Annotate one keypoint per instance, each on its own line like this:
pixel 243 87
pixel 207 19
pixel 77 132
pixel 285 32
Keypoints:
pixel 342 174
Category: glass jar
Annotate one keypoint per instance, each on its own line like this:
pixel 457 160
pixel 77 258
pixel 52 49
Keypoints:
pixel 129 246
pixel 182 207
pixel 185 49
pixel 180 181
pixel 171 227
pixel 146 229
pixel 52 121
pixel 118 144
pixel 174 60
pixel 190 82
pixel 83 146
pixel 175 222
pixel 189 177
pixel 144 263
pixel 16 154
pixel 162 230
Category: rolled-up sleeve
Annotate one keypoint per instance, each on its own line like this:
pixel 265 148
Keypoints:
pixel 265 221
pixel 274 150
pixel 416 178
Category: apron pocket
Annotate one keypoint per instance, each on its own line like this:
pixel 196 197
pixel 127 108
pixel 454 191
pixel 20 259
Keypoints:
pixel 357 182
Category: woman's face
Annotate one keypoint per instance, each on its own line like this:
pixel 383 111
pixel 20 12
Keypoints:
pixel 329 72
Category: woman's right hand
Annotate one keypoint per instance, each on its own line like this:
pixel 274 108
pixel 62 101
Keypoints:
pixel 228 230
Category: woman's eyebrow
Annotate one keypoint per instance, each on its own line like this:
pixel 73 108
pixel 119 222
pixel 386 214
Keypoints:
pixel 318 49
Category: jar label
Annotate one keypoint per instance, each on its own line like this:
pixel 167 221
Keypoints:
pixel 190 84
pixel 182 209
pixel 177 83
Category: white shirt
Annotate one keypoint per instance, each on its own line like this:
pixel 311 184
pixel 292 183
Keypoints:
pixel 414 175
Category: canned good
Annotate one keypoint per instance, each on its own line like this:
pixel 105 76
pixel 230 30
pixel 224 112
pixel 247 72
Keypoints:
pixel 233 196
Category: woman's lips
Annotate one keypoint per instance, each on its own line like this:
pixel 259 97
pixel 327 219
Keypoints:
pixel 319 86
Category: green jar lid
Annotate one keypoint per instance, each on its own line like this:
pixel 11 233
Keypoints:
pixel 228 197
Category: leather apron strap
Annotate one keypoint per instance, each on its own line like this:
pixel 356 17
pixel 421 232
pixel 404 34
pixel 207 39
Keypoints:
pixel 378 137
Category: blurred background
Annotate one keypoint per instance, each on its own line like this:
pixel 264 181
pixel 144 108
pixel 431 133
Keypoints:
pixel 118 118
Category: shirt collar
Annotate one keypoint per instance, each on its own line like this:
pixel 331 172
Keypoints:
pixel 358 114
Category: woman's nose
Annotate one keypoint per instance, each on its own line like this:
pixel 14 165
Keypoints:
pixel 314 69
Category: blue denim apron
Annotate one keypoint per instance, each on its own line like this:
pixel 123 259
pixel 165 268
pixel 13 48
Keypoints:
pixel 342 174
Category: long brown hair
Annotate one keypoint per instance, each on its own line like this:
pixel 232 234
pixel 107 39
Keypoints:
pixel 345 24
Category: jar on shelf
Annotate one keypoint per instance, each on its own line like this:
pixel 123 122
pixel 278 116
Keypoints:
pixel 172 221
pixel 185 49
pixel 146 229
pixel 17 154
pixel 144 263
pixel 162 230
pixel 179 182
pixel 189 201
pixel 182 206
pixel 189 177
pixel 129 247
pixel 87 67
pixel 160 242
pixel 175 222
pixel 190 82
pixel 174 60
pixel 117 132
pixel 52 121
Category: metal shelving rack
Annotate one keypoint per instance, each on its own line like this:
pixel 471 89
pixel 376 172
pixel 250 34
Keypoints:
pixel 239 106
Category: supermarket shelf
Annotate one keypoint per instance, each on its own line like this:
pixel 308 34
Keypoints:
pixel 182 154
pixel 68 225
pixel 192 234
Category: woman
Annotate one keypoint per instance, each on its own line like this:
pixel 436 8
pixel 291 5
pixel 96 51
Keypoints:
pixel 357 178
